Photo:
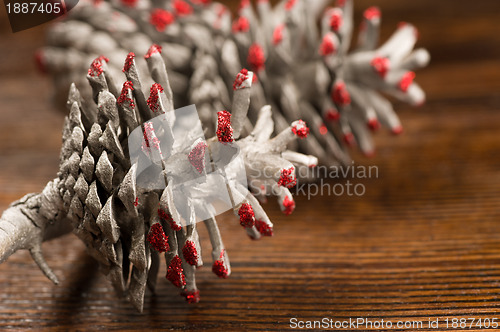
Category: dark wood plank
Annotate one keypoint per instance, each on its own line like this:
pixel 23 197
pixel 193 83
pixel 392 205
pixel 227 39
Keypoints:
pixel 422 243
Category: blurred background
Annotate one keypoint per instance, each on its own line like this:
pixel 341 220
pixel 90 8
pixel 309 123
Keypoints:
pixel 423 242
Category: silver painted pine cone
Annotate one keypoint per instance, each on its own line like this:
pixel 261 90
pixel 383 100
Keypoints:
pixel 125 226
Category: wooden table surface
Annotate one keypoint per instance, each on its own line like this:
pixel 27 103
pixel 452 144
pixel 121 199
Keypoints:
pixel 422 244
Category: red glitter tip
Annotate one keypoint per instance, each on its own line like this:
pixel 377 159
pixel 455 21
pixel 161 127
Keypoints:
pixel 182 8
pixel 289 205
pixel 278 34
pixel 161 18
pixel 153 50
pixel 40 62
pixel 241 25
pixel 150 139
pixel 327 46
pixel 136 202
pixel 300 129
pixel 332 115
pixel 370 154
pixel 381 65
pixel 224 129
pixel 402 24
pixel 129 3
pixel 197 157
pixel 256 58
pixel 406 81
pixel 128 62
pixel 153 101
pixel 191 296
pixel 175 273
pixel 336 20
pixel 323 130
pixel 290 4
pixel 349 139
pixel 219 268
pixel 190 253
pixel 168 218
pixel 96 66
pixel 264 228
pixel 244 4
pixel 373 124
pixel 240 79
pixel 341 3
pixel 398 130
pixel 124 95
pixel 247 216
pixel 157 238
pixel 372 13
pixel 340 94
pixel 287 178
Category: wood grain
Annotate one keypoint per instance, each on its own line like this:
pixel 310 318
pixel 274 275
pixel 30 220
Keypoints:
pixel 422 243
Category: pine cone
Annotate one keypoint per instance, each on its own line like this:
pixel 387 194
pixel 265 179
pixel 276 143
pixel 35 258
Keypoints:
pixel 127 225
pixel 302 71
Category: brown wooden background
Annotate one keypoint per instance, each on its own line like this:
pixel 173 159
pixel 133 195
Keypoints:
pixel 423 243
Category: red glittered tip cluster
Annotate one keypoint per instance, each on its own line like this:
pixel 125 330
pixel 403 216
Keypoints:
pixel 191 296
pixel 129 3
pixel 336 20
pixel 244 4
pixel 381 66
pixel 290 4
pixel 406 81
pixel 128 87
pixel 219 268
pixel 161 18
pixel 287 178
pixel 182 8
pixel 332 115
pixel 300 129
pixel 327 46
pixel 264 228
pixel 129 61
pixel 197 156
pixel 40 62
pixel 241 25
pixel 374 124
pixel 224 129
pixel 278 34
pixel 153 49
pixel 340 94
pixel 349 139
pixel 240 79
pixel 154 92
pixel 247 216
pixel 157 238
pixel 190 253
pixel 256 58
pixel 166 216
pixel 175 273
pixel 289 205
pixel 372 13
pixel 96 66
pixel 150 139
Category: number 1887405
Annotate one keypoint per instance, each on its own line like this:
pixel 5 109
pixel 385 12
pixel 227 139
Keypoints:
pixel 34 8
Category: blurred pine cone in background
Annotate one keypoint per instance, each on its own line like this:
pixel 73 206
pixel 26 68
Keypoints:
pixel 299 51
